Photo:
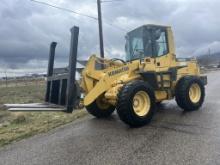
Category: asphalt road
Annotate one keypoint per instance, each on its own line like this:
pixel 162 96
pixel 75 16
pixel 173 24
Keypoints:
pixel 174 137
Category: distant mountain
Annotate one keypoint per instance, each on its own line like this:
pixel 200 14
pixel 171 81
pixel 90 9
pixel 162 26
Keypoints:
pixel 213 59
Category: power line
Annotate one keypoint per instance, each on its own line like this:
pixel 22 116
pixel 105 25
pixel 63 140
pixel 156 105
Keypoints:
pixel 64 9
pixel 81 14
pixel 119 28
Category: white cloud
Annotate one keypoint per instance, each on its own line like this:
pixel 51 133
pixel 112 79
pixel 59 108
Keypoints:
pixel 27 28
pixel 214 47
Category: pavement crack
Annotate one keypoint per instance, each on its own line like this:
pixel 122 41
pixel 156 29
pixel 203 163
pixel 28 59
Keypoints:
pixel 187 125
pixel 175 129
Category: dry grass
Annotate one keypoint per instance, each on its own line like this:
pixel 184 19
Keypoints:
pixel 19 125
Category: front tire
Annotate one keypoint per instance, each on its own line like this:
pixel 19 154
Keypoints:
pixel 136 103
pixel 190 93
pixel 100 109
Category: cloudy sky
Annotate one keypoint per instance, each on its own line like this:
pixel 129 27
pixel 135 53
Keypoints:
pixel 27 28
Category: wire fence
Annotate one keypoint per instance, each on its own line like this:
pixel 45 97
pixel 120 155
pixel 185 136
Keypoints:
pixel 21 79
pixel 22 82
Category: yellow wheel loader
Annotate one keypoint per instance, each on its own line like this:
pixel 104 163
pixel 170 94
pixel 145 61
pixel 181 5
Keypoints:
pixel 149 74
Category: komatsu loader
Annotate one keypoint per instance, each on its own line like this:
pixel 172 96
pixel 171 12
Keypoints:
pixel 149 74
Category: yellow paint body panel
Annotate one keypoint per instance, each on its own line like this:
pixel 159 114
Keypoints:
pixel 103 77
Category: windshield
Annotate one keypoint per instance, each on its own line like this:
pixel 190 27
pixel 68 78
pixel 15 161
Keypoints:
pixel 138 45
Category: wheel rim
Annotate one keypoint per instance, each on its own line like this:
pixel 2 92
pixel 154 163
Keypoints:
pixel 195 93
pixel 141 103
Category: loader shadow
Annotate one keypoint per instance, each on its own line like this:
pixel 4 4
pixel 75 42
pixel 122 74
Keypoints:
pixel 165 112
pixel 169 108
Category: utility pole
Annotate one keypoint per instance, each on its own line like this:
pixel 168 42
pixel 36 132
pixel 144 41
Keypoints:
pixel 100 29
pixel 6 79
pixel 209 52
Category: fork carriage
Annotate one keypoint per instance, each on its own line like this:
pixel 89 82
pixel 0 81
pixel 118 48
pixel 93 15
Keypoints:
pixel 62 89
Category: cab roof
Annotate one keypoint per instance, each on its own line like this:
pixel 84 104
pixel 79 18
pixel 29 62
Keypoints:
pixel 150 26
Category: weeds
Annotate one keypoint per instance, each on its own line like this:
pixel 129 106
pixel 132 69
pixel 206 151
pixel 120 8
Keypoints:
pixel 19 125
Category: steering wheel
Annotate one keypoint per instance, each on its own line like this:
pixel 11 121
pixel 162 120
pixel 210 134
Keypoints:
pixel 118 59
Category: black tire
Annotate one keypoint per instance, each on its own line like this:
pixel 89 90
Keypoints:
pixel 99 112
pixel 159 103
pixel 182 93
pixel 125 103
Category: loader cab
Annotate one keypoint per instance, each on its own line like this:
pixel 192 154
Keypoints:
pixel 148 41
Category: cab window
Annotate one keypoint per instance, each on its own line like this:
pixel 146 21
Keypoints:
pixel 161 43
pixel 137 47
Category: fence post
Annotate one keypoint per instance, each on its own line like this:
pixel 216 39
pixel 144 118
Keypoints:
pixel 6 79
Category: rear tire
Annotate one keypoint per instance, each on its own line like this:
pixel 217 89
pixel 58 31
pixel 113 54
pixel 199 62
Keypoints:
pixel 190 93
pixel 159 103
pixel 100 109
pixel 136 103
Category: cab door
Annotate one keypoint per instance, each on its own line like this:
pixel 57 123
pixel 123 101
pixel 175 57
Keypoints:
pixel 161 50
